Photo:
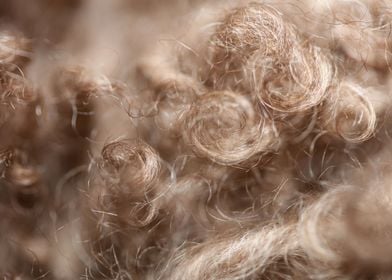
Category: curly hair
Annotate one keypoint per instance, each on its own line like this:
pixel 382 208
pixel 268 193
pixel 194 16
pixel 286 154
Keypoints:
pixel 195 139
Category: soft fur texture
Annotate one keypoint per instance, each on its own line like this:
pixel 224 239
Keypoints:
pixel 195 139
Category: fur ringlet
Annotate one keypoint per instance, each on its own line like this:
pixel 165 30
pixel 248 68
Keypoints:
pixel 226 128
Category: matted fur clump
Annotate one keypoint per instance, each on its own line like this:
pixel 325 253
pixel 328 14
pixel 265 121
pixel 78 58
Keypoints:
pixel 195 139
